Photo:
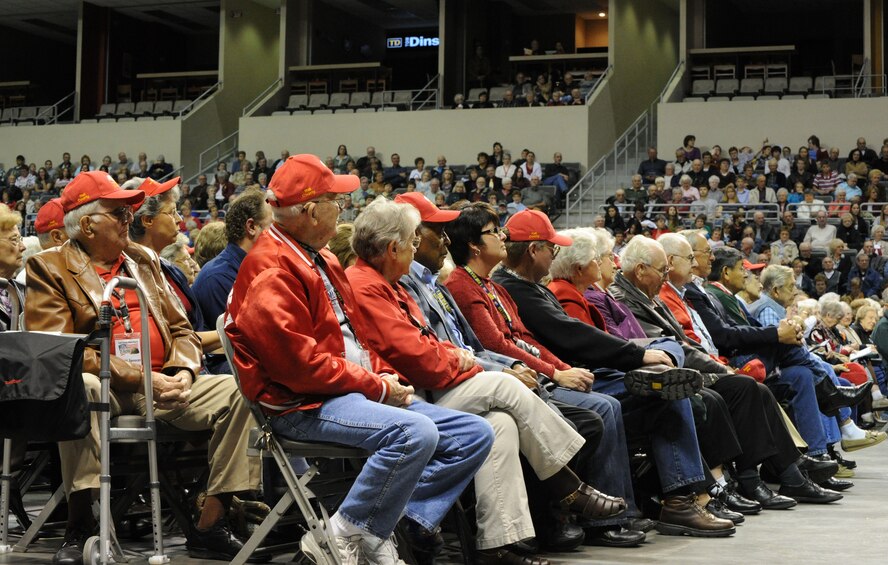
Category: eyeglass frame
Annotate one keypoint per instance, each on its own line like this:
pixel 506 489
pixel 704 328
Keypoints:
pixel 16 240
pixel 117 214
pixel 666 269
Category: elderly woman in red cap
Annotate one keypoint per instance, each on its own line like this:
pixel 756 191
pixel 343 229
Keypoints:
pixel 64 290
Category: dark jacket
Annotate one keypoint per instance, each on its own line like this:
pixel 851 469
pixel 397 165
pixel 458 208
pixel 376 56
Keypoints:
pixel 573 341
pixel 658 322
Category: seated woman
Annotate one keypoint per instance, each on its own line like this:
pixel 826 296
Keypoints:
pixel 385 241
pixel 784 250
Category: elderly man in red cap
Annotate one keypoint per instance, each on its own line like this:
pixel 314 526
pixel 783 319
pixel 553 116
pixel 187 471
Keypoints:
pixel 50 225
pixel 300 346
pixel 64 292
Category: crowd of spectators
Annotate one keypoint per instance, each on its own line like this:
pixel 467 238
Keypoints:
pixel 547 90
pixel 503 343
pixel 812 209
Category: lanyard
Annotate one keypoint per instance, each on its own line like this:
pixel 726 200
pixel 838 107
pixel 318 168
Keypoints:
pixel 317 266
pixel 491 294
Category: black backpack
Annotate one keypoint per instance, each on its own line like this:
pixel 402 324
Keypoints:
pixel 42 397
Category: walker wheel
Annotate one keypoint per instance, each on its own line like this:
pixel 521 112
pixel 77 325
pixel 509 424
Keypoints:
pixel 91 551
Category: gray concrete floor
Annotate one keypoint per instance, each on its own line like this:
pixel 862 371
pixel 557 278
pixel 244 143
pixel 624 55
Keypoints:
pixel 851 531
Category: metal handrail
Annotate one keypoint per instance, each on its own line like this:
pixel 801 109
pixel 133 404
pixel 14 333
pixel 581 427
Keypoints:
pixel 427 88
pixel 860 75
pixel 171 174
pixel 216 147
pixel 249 108
pixel 53 110
pixel 598 83
pixel 205 94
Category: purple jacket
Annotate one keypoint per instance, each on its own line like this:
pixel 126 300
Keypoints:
pixel 620 319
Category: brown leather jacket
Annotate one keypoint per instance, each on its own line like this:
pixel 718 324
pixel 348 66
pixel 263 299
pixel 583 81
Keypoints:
pixel 64 294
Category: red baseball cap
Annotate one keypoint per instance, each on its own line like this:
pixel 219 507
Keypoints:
pixel 152 188
pixel 51 216
pixel 753 266
pixel 427 211
pixel 533 225
pixel 305 177
pixel 89 186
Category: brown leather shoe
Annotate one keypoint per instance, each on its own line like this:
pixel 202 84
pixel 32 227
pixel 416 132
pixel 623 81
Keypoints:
pixel 590 503
pixel 681 515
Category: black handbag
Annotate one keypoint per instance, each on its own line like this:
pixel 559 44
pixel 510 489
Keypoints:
pixel 42 396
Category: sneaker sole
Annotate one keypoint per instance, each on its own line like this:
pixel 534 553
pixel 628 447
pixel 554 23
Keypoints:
pixel 673 384
pixel 676 530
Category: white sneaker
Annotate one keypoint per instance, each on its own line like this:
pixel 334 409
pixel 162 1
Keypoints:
pixel 350 550
pixel 385 553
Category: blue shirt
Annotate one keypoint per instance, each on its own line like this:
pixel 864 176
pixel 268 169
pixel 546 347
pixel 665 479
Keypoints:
pixel 430 281
pixel 215 280
pixel 767 311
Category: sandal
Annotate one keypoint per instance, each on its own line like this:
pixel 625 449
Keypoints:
pixel 502 556
pixel 590 503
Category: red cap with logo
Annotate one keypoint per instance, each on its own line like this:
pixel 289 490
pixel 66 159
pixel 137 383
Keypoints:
pixel 89 186
pixel 753 266
pixel 533 225
pixel 305 177
pixel 427 211
pixel 50 217
pixel 152 188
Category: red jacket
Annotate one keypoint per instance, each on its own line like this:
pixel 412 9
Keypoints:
pixel 288 346
pixel 576 305
pixel 417 355
pixel 490 327
pixel 679 309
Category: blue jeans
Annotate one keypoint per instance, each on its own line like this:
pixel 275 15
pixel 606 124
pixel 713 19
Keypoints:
pixel 670 425
pixel 423 456
pixel 558 181
pixel 609 472
pixel 806 412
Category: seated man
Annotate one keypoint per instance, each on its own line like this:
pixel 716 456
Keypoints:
pixel 607 467
pixel 452 378
pixel 291 306
pixel 762 437
pixel 64 291
pixel 477 246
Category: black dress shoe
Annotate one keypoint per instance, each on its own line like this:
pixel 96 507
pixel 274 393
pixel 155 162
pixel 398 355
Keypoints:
pixel 718 509
pixel 836 484
pixel 818 468
pixel 836 456
pixel 217 543
pixel 768 499
pixel 71 552
pixel 831 397
pixel 426 544
pixel 736 503
pixel 810 493
pixel 565 536
pixel 640 524
pixel 614 536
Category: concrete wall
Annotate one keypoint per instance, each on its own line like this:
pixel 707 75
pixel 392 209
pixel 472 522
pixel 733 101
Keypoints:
pixel 459 135
pixel 249 57
pixel 39 143
pixel 837 123
pixel 644 51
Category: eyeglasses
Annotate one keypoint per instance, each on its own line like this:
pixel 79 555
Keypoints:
pixel 555 249
pixel 497 231
pixel 174 214
pixel 689 258
pixel 416 242
pixel 340 203
pixel 15 240
pixel 662 272
pixel 124 214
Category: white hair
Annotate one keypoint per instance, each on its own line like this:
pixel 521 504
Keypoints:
pixel 380 223
pixel 684 179
pixel 807 307
pixel 72 218
pixel 672 243
pixel 637 252
pixel 583 250
pixel 604 241
pixel 832 308
pixel 829 297
pixel 775 276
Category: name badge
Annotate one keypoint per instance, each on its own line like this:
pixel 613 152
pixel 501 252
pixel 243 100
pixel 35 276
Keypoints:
pixel 129 347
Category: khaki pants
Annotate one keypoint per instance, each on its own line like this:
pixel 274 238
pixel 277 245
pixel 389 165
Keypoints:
pixel 215 404
pixel 523 424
